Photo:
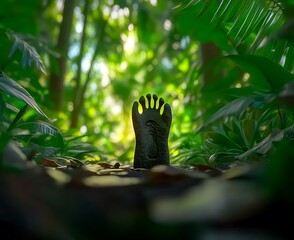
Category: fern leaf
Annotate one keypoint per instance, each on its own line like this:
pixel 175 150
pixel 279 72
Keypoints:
pixel 255 23
pixel 29 53
pixel 235 107
pixel 19 115
pixel 47 134
pixel 12 88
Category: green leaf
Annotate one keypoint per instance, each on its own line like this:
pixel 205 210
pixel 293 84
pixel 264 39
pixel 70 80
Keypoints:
pixel 44 133
pixel 200 28
pixel 235 107
pixel 249 128
pixel 48 151
pixel 263 69
pixel 252 25
pixel 244 17
pixel 12 88
pixel 29 53
pixel 239 131
pixel 19 115
pixel 2 106
pixel 264 146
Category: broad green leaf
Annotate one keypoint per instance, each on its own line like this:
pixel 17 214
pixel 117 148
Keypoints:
pixel 48 151
pixel 19 115
pixel 235 107
pixel 29 53
pixel 12 108
pixel 221 137
pixel 264 146
pixel 263 69
pixel 12 88
pixel 46 134
pixel 249 127
pixel 238 130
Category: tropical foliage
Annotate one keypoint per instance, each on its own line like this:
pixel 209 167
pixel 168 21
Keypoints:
pixel 70 71
pixel 254 103
pixel 225 67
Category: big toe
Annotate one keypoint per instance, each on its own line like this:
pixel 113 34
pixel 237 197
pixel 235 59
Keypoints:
pixel 135 111
pixel 142 102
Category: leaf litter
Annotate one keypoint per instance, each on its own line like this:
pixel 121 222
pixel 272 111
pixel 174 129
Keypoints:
pixel 163 202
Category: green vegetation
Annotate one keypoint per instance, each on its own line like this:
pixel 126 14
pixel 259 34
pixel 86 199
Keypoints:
pixel 221 66
pixel 70 71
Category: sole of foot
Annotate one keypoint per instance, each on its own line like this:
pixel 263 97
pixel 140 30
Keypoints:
pixel 152 131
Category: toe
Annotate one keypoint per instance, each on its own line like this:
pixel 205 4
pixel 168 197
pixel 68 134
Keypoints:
pixel 142 102
pixel 167 114
pixel 155 100
pixel 135 109
pixel 148 96
pixel 161 102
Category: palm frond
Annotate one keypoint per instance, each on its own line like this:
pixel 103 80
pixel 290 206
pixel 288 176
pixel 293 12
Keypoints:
pixel 47 134
pixel 254 23
pixel 12 88
pixel 29 53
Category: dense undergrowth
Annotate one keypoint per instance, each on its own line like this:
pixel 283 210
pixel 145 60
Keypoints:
pixel 66 170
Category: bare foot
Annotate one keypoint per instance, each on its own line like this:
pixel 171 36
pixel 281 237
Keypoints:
pixel 151 130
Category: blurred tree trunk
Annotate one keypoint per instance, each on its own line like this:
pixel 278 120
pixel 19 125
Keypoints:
pixel 56 80
pixel 77 106
pixel 80 89
pixel 208 52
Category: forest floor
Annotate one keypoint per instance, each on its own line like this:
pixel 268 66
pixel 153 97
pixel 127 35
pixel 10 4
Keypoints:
pixel 105 201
